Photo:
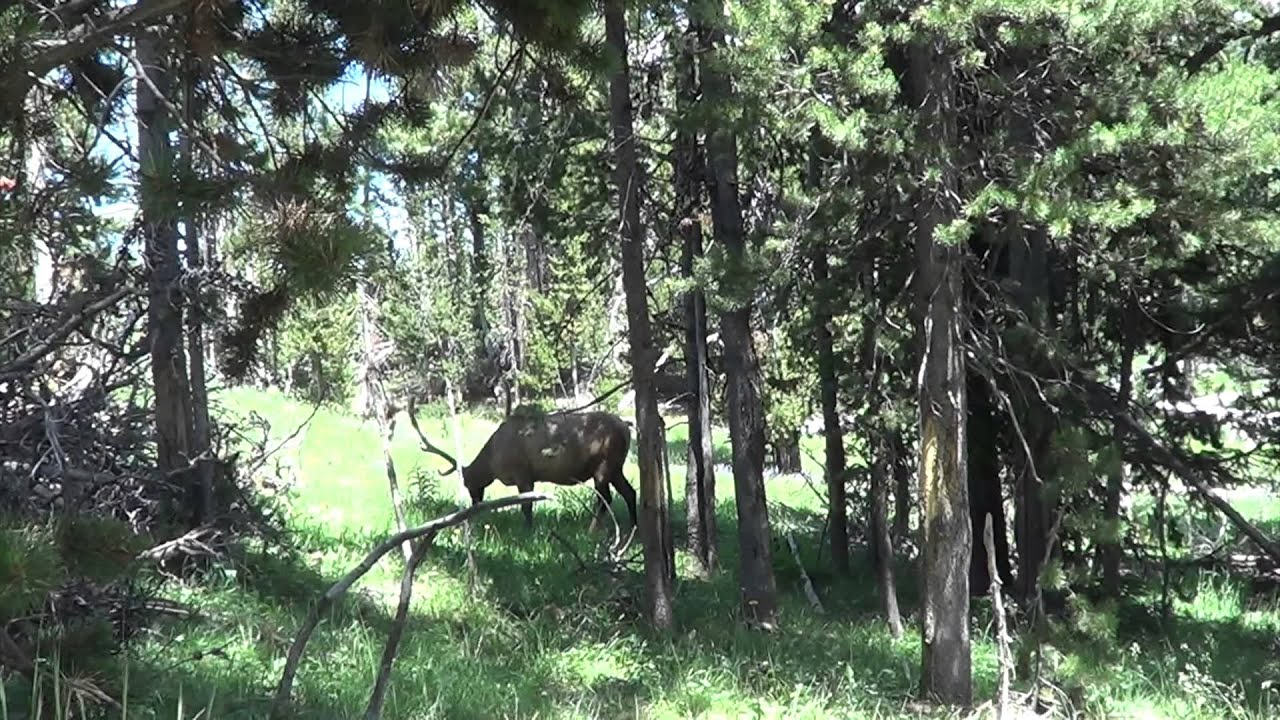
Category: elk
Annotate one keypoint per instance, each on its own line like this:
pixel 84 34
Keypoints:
pixel 562 449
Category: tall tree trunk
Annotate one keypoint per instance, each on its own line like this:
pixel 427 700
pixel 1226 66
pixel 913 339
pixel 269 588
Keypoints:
pixel 655 521
pixel 786 451
pixel 985 492
pixel 882 559
pixel 690 170
pixel 376 402
pixel 168 356
pixel 837 502
pixel 742 367
pixel 201 442
pixel 947 663
pixel 481 270
pixel 32 219
pixel 1029 269
pixel 901 486
pixel 1111 547
pixel 509 305
pixel 882 556
pixel 480 267
pixel 212 298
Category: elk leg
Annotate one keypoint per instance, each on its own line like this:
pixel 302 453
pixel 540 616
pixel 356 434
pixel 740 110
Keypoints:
pixel 628 494
pixel 604 501
pixel 526 507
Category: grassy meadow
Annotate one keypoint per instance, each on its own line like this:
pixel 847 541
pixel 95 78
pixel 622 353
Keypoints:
pixel 543 635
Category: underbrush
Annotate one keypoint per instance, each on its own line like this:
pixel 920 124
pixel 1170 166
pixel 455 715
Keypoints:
pixel 545 631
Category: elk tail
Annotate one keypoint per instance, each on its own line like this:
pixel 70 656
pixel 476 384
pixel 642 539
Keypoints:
pixel 426 444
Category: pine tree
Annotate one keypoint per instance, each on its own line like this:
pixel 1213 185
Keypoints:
pixel 742 369
pixel 654 519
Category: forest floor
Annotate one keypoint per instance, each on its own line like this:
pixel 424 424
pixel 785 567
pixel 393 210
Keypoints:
pixel 544 635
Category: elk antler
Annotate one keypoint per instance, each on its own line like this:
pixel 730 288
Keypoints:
pixel 427 445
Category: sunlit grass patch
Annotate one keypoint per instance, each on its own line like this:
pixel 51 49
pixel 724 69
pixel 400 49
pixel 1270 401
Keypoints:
pixel 539 635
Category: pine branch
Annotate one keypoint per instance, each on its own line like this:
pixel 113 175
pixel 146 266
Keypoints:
pixel 1209 50
pixel 82 39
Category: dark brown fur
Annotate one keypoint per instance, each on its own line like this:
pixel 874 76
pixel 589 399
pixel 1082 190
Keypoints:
pixel 562 449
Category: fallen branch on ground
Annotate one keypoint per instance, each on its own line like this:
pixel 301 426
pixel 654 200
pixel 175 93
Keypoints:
pixel 379 694
pixel 428 531
pixel 193 542
pixel 804 577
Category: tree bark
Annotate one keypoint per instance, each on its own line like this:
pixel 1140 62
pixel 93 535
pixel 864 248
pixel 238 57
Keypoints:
pixel 1111 548
pixel 901 486
pixel 1029 268
pixel 947 663
pixel 509 303
pixel 690 169
pixel 882 556
pixel 480 267
pixel 786 451
pixel 742 368
pixel 173 414
pixel 878 540
pixel 837 502
pixel 31 190
pixel 985 492
pixel 654 519
pixel 201 442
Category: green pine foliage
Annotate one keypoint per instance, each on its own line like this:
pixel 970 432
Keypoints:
pixel 1138 144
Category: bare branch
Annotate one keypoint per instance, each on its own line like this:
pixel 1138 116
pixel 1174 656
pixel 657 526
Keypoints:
pixel 1101 395
pixel 89 35
pixel 75 322
pixel 191 543
pixel 1004 656
pixel 484 106
pixel 427 445
pixel 809 592
pixel 379 694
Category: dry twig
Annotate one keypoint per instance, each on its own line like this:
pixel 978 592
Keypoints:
pixel 809 592
pixel 1003 654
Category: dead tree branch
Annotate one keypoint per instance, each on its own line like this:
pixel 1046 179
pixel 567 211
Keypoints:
pixel 194 542
pixel 1003 655
pixel 50 344
pixel 809 592
pixel 1162 455
pixel 77 41
pixel 379 694
pixel 285 689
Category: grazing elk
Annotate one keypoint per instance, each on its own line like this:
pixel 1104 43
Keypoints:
pixel 532 447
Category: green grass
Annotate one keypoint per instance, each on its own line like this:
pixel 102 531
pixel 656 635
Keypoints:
pixel 541 637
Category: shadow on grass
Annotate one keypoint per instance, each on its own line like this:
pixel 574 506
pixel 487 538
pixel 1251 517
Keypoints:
pixel 678 450
pixel 544 635
pixel 581 636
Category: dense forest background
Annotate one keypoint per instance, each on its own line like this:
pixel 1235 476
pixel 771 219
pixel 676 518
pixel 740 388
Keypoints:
pixel 944 336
